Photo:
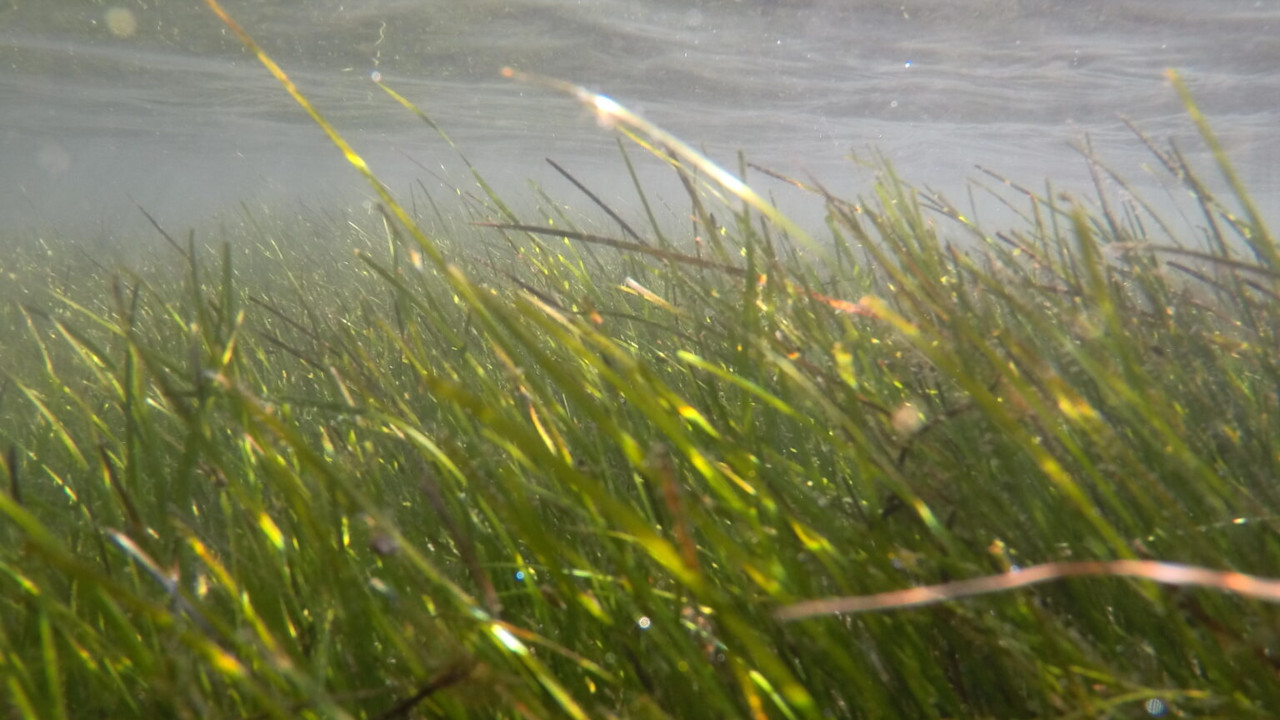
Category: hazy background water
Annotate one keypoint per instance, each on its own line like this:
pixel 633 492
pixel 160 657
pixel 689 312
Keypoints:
pixel 104 104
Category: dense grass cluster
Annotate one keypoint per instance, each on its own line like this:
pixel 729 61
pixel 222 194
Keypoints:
pixel 542 468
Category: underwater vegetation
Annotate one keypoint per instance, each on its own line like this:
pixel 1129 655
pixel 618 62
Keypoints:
pixel 549 466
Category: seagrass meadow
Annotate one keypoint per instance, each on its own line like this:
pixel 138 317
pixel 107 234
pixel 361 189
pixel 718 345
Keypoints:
pixel 481 463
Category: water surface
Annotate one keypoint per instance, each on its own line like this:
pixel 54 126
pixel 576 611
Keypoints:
pixel 108 104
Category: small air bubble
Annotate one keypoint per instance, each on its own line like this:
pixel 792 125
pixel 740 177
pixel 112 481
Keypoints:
pixel 383 544
pixel 519 576
pixel 644 623
pixel 893 104
pixel 375 76
pixel 1156 707
pixel 121 22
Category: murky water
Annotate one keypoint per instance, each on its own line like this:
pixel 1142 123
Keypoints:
pixel 104 104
